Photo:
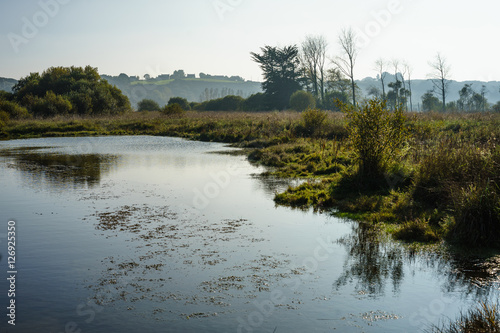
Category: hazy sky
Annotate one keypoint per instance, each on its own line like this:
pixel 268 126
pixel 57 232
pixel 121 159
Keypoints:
pixel 217 36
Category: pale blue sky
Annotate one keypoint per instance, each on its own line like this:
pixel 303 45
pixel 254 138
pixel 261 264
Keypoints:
pixel 217 36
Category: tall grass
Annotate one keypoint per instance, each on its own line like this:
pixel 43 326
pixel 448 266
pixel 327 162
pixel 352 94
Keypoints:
pixel 484 318
pixel 376 134
pixel 464 180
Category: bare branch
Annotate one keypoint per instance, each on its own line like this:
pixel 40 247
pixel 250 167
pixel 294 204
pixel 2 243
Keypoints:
pixel 313 55
pixel 346 62
pixel 440 77
pixel 380 67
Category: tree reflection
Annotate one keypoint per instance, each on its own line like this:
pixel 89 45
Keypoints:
pixel 372 263
pixel 60 170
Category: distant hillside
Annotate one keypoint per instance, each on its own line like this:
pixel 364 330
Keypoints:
pixel 164 87
pixel 7 84
pixel 161 89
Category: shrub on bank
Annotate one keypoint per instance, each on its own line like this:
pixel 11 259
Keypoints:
pixel 312 122
pixel 173 110
pixel 182 102
pixel 256 102
pixel 477 216
pixel 302 100
pixel 4 119
pixel 228 103
pixel 376 133
pixel 14 110
pixel 148 105
pixel 418 230
pixel 464 180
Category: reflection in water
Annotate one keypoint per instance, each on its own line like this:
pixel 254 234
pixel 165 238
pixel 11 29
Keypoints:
pixel 473 276
pixel 60 170
pixel 373 262
pixel 370 262
pixel 272 185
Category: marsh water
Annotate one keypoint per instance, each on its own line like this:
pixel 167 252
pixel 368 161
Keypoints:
pixel 155 234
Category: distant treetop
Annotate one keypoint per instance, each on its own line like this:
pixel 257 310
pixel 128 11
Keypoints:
pixel 69 90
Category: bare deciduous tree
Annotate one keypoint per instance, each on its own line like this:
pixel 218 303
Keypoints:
pixel 380 66
pixel 409 70
pixel 395 64
pixel 440 77
pixel 346 62
pixel 313 58
pixel 404 91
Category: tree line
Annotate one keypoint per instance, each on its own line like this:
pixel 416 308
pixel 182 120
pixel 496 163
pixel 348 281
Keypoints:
pixel 291 68
pixel 227 103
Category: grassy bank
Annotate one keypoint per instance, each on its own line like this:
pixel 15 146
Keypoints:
pixel 443 183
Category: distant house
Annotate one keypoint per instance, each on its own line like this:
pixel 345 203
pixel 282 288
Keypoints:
pixel 164 77
pixel 191 76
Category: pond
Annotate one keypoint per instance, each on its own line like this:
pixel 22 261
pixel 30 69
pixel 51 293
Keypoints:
pixel 157 234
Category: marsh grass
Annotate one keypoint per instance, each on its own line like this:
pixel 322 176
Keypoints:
pixel 417 230
pixel 463 179
pixel 485 318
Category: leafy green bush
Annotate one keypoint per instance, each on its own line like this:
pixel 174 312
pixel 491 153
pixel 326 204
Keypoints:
pixel 148 105
pixel 376 134
pixel 256 102
pixel 331 99
pixel 173 109
pixel 49 105
pixel 83 87
pixel 302 100
pixel 228 103
pixel 14 110
pixel 4 118
pixel 6 96
pixel 313 120
pixel 182 102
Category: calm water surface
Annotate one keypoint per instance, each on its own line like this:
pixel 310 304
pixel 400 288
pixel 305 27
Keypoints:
pixel 150 234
